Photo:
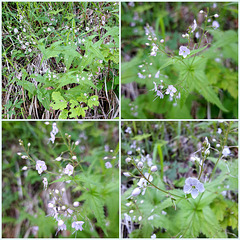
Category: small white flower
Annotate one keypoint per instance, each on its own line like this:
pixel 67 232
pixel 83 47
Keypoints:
pixel 24 168
pixel 218 145
pixel 56 191
pixel 154 168
pixel 139 218
pixel 58 158
pixel 68 170
pixel 140 164
pixel 128 159
pixel 193 186
pixel 108 165
pixel 157 74
pixel 153 236
pixel 76 204
pixel 49 29
pixel 219 131
pixel 127 174
pixel 61 225
pixel 201 11
pixel 74 158
pixel 15 30
pixel 215 25
pixel 226 151
pixel 50 205
pixel 29 144
pixel 162 41
pixel 184 51
pixel 216 15
pixel 194 26
pixel 87 28
pixel 45 183
pixel 136 192
pixel 40 166
pixel 171 90
pixel 78 225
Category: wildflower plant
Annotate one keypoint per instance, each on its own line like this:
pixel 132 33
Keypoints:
pixel 174 185
pixel 60 60
pixel 168 75
pixel 76 193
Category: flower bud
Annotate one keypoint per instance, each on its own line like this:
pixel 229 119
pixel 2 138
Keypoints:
pixel 24 168
pixel 140 165
pixel 74 158
pixel 154 168
pixel 126 174
pixel 76 204
pixel 136 192
pixel 58 159
pixel 128 159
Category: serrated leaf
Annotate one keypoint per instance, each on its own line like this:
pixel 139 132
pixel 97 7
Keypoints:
pixel 93 101
pixel 60 102
pixel 96 205
pixel 63 114
pixel 78 111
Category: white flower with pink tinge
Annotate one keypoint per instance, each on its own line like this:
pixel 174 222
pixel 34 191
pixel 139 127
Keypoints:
pixel 184 51
pixel 40 166
pixel 78 225
pixel 171 90
pixel 69 170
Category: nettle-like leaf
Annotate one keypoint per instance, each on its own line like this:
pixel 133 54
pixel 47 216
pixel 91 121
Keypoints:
pixel 93 101
pixel 76 109
pixel 192 76
pixel 96 204
pixel 59 101
pixel 63 114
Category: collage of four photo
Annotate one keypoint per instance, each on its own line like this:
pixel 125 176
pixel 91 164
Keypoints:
pixel 119 119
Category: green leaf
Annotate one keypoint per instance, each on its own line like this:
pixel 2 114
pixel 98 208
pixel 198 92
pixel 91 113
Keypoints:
pixel 63 114
pixel 96 204
pixel 93 101
pixel 141 137
pixel 78 111
pixel 60 102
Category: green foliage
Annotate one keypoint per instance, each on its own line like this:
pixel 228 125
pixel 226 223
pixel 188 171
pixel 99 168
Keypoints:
pixel 164 209
pixel 57 53
pixel 206 78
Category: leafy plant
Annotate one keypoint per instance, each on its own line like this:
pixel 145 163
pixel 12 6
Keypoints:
pixel 72 59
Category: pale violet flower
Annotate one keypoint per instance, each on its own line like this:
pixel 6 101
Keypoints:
pixel 136 192
pixel 78 225
pixel 184 51
pixel 193 186
pixel 159 94
pixel 157 74
pixel 226 151
pixel 219 131
pixel 45 183
pixel 216 15
pixel 128 130
pixel 154 168
pixel 143 182
pixel 171 90
pixel 68 170
pixel 194 26
pixel 40 166
pixel 108 165
pixel 61 226
pixel 215 24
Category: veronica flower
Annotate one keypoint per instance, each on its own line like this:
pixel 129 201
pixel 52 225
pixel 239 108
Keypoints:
pixel 184 51
pixel 41 166
pixel 108 165
pixel 193 186
pixel 171 90
pixel 215 25
pixel 68 170
pixel 226 151
pixel 78 225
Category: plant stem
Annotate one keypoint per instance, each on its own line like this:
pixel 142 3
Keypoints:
pixel 167 192
pixel 220 155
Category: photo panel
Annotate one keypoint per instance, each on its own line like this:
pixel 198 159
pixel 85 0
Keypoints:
pixel 179 60
pixel 179 179
pixel 60 179
pixel 60 60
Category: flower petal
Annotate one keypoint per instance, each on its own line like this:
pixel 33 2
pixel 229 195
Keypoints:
pixel 187 188
pixel 194 193
pixel 200 187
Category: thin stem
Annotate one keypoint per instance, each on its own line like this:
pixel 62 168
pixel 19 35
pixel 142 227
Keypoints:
pixel 220 155
pixel 167 192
